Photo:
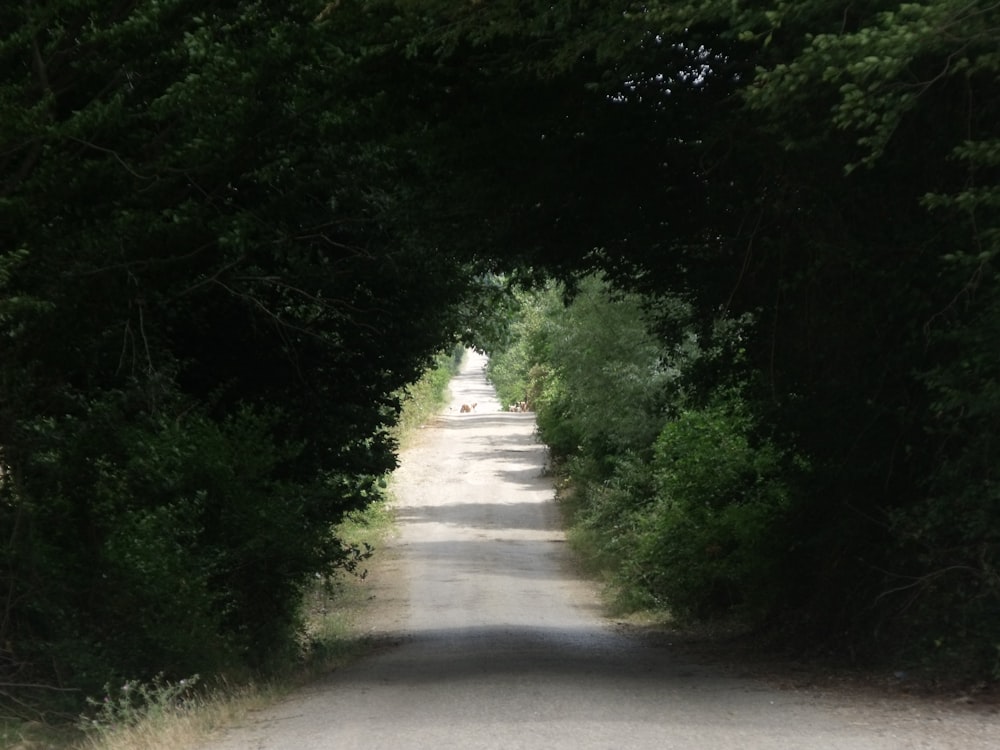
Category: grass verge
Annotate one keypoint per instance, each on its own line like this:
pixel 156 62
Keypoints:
pixel 425 398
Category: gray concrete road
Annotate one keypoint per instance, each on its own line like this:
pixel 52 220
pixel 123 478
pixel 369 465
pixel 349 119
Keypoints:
pixel 497 643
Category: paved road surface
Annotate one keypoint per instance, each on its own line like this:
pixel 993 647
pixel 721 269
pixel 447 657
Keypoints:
pixel 498 644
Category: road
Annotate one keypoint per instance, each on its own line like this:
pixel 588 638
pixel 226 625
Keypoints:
pixel 498 643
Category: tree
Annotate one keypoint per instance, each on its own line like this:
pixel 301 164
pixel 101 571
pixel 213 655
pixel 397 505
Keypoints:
pixel 209 303
pixel 829 170
pixel 228 236
pixel 894 108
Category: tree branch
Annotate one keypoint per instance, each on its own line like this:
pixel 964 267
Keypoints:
pixel 115 154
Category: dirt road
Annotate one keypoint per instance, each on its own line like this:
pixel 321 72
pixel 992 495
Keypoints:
pixel 498 644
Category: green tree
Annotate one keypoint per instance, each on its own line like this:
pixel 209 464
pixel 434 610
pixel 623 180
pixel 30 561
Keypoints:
pixel 829 169
pixel 903 97
pixel 210 299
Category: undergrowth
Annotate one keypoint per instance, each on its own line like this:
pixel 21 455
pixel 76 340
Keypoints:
pixel 168 715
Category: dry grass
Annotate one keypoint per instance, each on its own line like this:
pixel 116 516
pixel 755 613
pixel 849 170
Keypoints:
pixel 166 727
pixel 187 726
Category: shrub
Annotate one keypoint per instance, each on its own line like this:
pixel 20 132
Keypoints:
pixel 149 552
pixel 705 546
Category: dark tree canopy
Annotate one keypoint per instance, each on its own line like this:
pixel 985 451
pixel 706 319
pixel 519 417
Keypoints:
pixel 211 298
pixel 230 234
pixel 828 168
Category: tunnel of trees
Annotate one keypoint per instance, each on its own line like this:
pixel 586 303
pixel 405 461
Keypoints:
pixel 230 233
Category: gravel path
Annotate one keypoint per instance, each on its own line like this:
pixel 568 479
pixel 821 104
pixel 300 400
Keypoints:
pixel 497 643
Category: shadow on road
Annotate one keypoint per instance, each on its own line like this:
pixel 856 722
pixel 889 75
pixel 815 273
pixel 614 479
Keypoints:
pixel 478 515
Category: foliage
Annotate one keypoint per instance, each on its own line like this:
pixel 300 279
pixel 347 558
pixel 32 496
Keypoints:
pixel 230 237
pixel 711 543
pixel 945 573
pixel 904 98
pixel 525 343
pixel 587 369
pixel 683 498
pixel 424 398
pixel 210 303
pixel 829 170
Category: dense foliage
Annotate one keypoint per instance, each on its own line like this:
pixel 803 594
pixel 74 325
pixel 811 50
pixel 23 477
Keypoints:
pixel 230 235
pixel 677 491
pixel 208 308
pixel 830 170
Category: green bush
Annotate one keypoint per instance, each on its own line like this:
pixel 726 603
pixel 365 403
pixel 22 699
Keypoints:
pixel 608 521
pixel 588 366
pixel 706 546
pixel 944 570
pixel 531 330
pixel 675 492
pixel 138 548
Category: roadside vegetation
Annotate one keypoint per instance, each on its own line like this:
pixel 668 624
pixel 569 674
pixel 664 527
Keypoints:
pixel 700 506
pixel 426 397
pixel 166 714
pixel 672 484
pixel 231 235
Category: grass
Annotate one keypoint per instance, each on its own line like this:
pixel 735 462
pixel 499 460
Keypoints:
pixel 34 735
pixel 166 722
pixel 331 606
pixel 425 398
pixel 169 716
